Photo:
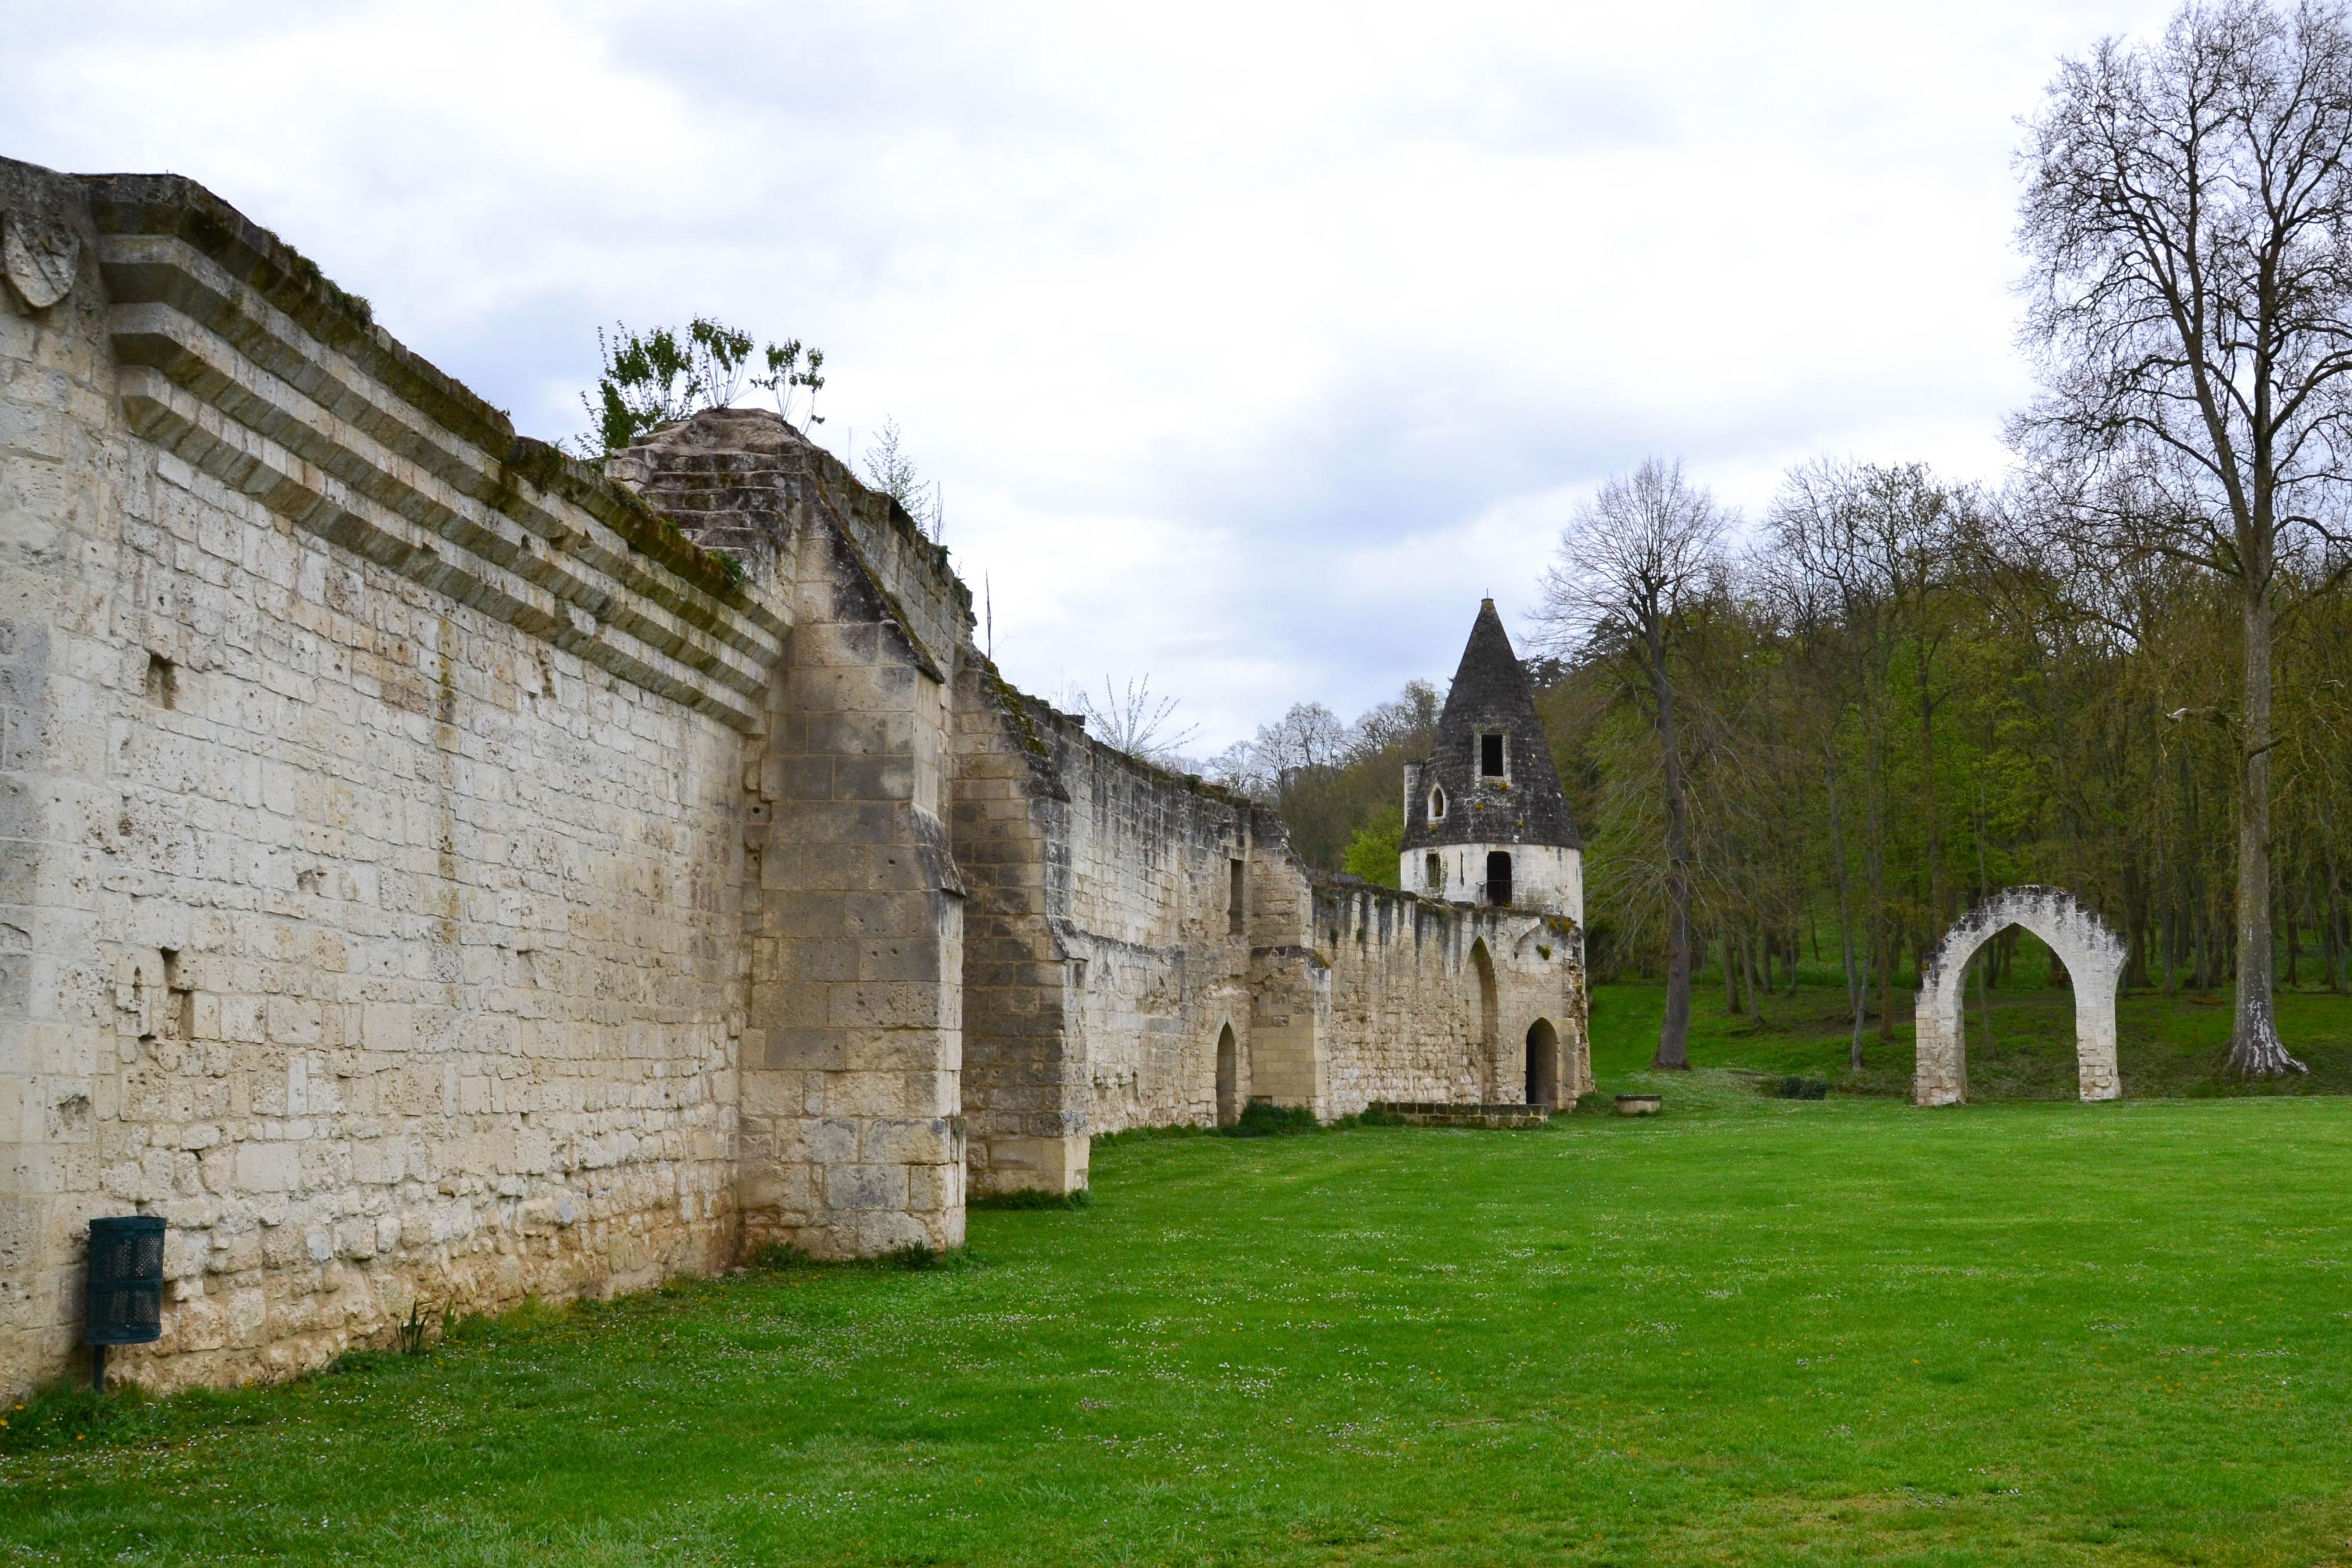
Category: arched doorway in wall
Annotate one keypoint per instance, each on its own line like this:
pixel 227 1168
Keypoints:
pixel 1543 1063
pixel 1229 1077
pixel 1483 964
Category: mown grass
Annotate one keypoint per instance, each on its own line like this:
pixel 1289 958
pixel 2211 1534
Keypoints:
pixel 1747 1331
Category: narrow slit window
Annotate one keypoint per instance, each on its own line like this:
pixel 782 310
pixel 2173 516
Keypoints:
pixel 1233 925
pixel 163 681
pixel 1433 872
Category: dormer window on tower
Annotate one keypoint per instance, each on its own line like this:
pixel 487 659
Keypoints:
pixel 1492 756
pixel 1437 802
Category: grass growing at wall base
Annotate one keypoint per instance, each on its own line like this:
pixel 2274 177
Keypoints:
pixel 1749 1331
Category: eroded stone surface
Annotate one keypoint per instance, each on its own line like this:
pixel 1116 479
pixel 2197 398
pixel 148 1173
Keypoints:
pixel 2093 956
pixel 433 870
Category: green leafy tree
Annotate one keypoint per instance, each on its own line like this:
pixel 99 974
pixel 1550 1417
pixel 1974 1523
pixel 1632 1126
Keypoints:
pixel 651 380
pixel 1372 852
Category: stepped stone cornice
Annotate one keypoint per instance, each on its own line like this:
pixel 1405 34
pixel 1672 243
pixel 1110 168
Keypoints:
pixel 241 358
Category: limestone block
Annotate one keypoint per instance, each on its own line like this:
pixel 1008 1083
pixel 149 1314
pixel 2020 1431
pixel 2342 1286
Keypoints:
pixel 850 1187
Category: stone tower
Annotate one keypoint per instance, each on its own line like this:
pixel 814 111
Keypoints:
pixel 1485 821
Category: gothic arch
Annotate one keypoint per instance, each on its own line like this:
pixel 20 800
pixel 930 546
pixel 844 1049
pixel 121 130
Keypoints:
pixel 1489 1009
pixel 2093 956
pixel 1542 1085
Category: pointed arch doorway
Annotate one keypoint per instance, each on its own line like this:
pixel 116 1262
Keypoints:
pixel 1543 1064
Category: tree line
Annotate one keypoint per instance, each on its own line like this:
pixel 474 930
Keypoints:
pixel 1817 734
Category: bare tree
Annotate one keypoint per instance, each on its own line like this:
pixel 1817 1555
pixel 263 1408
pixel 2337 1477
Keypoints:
pixel 890 468
pixel 1136 721
pixel 1859 555
pixel 2187 212
pixel 1408 719
pixel 1307 739
pixel 1633 563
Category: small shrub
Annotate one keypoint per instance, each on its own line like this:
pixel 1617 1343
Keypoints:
pixel 531 1315
pixel 1260 1119
pixel 411 1335
pixel 1596 1102
pixel 1801 1088
pixel 778 1257
pixel 1031 1198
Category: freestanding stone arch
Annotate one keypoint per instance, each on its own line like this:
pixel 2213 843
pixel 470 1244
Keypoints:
pixel 2093 956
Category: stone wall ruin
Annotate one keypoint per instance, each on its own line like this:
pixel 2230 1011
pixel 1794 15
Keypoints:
pixel 436 869
pixel 2094 957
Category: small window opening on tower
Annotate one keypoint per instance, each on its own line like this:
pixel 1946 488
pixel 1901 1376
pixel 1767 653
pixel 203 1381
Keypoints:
pixel 1433 870
pixel 1498 878
pixel 1233 926
pixel 1490 755
pixel 1437 803
pixel 163 681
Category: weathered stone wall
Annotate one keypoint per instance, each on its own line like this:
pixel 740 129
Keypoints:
pixel 433 870
pixel 1109 954
pixel 852 1136
pixel 1106 954
pixel 372 820
pixel 1435 1002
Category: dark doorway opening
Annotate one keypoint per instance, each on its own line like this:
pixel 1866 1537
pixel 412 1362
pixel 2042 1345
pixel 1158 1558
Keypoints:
pixel 1543 1063
pixel 1498 878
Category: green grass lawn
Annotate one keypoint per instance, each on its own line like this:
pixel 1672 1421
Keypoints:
pixel 1748 1331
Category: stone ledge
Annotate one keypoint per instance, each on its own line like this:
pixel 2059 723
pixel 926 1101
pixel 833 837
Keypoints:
pixel 251 464
pixel 1438 1113
pixel 153 337
pixel 239 317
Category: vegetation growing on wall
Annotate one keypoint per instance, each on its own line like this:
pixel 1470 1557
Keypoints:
pixel 655 379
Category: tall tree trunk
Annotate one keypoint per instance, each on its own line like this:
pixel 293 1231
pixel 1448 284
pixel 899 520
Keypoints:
pixel 1755 992
pixel 1856 995
pixel 1674 1035
pixel 2336 944
pixel 2255 1048
pixel 1939 916
pixel 1874 860
pixel 1984 891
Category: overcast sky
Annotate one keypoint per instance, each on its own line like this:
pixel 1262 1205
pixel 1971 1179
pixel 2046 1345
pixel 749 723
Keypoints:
pixel 1251 345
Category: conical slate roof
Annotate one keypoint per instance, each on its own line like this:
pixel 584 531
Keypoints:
pixel 1490 694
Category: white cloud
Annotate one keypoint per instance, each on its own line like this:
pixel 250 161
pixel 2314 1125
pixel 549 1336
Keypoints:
pixel 1250 343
